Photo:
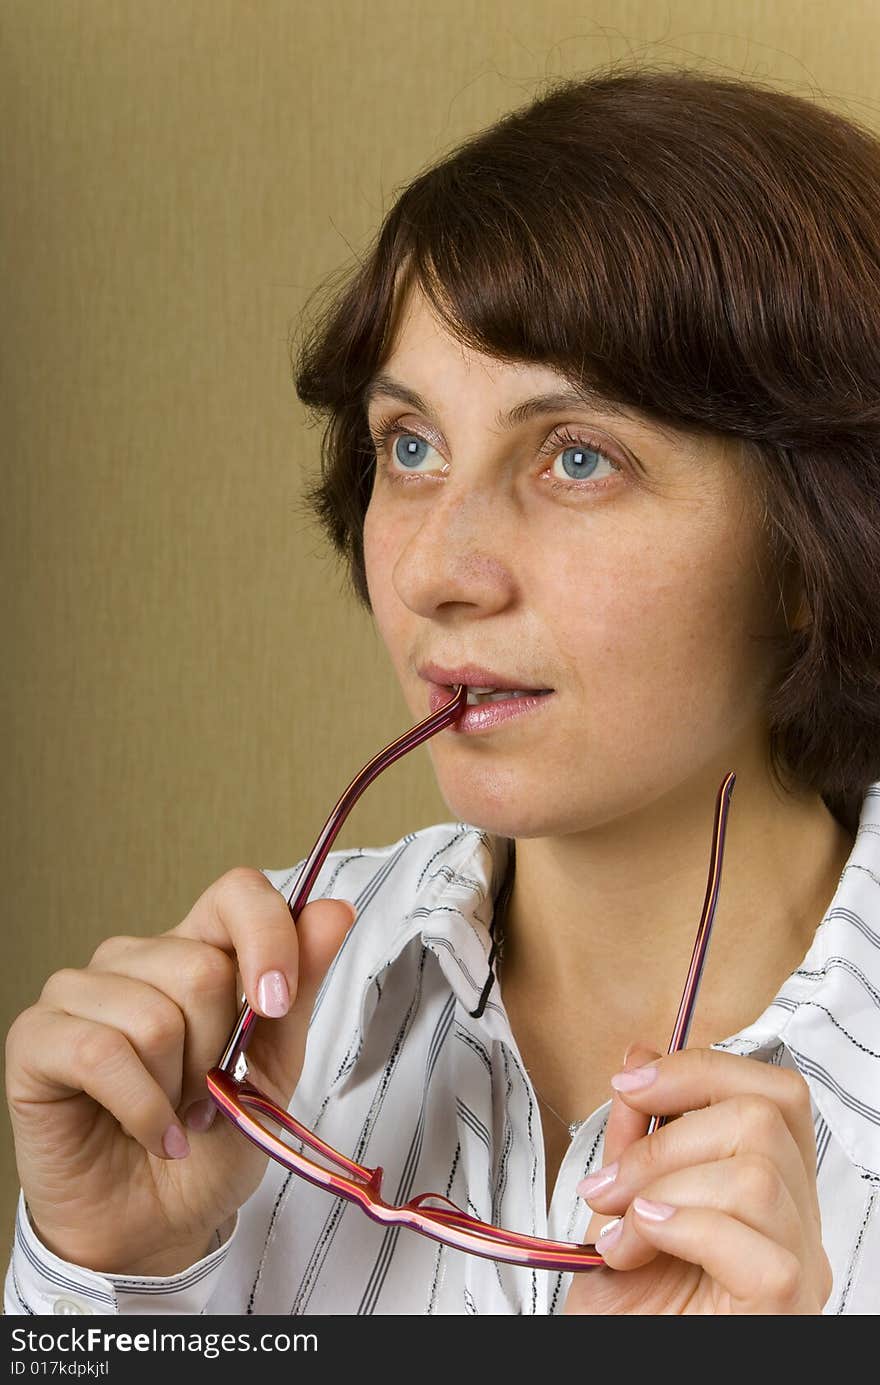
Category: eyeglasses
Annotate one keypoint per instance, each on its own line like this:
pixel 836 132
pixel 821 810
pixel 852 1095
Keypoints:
pixel 430 1214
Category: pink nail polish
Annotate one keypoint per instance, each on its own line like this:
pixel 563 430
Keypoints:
pixel 653 1211
pixel 633 1081
pixel 175 1143
pixel 609 1235
pixel 273 996
pixel 598 1182
pixel 200 1116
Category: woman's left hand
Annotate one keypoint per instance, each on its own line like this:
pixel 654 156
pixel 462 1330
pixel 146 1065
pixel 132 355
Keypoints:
pixel 730 1221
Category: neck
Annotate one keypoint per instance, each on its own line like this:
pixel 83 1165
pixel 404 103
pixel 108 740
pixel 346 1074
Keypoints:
pixel 602 922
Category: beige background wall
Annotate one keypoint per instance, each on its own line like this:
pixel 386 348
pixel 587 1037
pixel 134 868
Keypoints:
pixel 185 684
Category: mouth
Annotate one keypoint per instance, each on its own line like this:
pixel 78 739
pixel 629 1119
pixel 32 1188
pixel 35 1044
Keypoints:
pixel 487 709
pixel 483 685
pixel 476 697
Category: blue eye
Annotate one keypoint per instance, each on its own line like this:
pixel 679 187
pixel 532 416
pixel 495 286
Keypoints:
pixel 407 449
pixel 400 454
pixel 580 462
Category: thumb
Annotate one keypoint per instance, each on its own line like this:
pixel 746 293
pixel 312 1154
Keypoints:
pixel 279 1046
pixel 321 929
pixel 625 1125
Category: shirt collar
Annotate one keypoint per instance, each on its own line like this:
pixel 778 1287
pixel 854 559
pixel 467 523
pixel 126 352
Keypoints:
pixel 450 913
pixel 826 1013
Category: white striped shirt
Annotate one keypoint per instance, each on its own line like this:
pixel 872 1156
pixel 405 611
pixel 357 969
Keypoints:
pixel 399 1073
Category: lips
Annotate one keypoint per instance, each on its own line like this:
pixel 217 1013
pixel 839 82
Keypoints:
pixel 487 714
pixel 475 676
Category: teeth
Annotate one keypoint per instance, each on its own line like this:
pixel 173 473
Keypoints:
pixel 477 695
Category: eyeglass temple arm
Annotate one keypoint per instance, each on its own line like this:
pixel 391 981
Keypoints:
pixel 704 929
pixel 240 1037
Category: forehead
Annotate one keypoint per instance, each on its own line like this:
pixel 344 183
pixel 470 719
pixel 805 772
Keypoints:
pixel 428 368
pixel 420 342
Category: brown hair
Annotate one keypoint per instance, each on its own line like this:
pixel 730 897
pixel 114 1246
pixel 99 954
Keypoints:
pixel 707 251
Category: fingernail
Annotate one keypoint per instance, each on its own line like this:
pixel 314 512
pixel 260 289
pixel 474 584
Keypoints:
pixel 200 1115
pixel 175 1143
pixel 632 1081
pixel 597 1182
pixel 273 996
pixel 652 1211
pixel 609 1235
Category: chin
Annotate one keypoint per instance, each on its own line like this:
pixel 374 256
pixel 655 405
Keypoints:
pixel 489 802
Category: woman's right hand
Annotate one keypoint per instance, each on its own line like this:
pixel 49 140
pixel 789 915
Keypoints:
pixel 110 1059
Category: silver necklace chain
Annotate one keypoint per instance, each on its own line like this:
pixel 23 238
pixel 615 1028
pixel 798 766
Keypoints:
pixel 572 1126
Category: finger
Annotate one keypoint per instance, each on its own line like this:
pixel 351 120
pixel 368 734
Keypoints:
pixel 151 1022
pixel 278 1050
pixel 695 1078
pixel 200 981
pixel 761 1276
pixel 625 1123
pixel 244 915
pixel 624 1126
pixel 68 1055
pixel 744 1128
pixel 751 1190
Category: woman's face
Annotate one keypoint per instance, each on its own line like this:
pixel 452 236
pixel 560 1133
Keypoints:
pixel 578 550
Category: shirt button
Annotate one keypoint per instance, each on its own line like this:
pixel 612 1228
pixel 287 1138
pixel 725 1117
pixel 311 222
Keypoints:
pixel 69 1305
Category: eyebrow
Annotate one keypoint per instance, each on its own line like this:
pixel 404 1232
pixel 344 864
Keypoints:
pixel 520 413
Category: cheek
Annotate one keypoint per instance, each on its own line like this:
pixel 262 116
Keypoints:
pixel 370 550
pixel 661 637
pixel 380 547
pixel 618 600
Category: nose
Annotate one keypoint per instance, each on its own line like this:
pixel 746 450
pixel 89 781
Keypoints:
pixel 460 551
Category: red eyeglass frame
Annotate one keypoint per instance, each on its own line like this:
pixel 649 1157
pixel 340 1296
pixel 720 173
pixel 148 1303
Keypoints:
pixel 235 1097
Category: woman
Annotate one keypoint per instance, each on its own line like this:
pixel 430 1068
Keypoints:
pixel 604 419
